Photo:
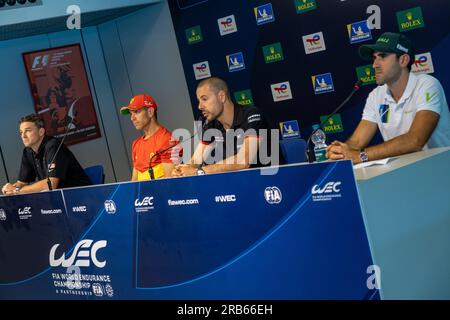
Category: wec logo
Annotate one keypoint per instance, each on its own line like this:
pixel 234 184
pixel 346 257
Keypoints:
pixel 147 201
pixel 26 210
pixel 82 255
pixel 328 188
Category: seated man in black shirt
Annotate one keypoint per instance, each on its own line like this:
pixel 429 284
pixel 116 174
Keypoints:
pixel 232 135
pixel 63 172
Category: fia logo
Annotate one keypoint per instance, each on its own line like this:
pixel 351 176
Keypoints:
pixel 83 253
pixel 97 289
pixel 110 206
pixel 273 195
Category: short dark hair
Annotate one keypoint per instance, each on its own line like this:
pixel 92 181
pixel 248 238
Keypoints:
pixel 34 117
pixel 216 83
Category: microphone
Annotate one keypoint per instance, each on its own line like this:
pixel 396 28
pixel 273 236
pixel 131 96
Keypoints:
pixel 309 151
pixel 69 126
pixel 150 169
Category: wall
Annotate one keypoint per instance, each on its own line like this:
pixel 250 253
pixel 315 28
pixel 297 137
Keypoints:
pixel 132 54
pixel 57 8
pixel 142 56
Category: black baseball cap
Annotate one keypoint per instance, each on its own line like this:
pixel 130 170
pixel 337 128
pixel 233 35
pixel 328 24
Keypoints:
pixel 388 42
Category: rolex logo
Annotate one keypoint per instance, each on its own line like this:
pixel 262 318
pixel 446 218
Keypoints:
pixel 367 71
pixel 409 16
pixel 330 121
pixel 272 50
pixel 243 96
pixel 193 33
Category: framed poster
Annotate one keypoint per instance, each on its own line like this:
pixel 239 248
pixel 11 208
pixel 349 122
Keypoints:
pixel 61 93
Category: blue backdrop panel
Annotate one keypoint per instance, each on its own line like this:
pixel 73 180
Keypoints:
pixel 287 27
pixel 298 234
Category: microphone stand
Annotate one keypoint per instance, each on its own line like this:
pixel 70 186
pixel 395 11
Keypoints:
pixel 150 169
pixel 309 151
pixel 49 183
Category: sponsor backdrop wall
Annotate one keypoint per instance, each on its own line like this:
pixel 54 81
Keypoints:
pixel 298 59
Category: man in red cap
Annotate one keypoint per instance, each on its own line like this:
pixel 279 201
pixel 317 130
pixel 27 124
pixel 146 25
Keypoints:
pixel 150 147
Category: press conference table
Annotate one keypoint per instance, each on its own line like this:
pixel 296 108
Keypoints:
pixel 311 231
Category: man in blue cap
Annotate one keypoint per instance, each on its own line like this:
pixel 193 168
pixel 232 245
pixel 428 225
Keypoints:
pixel 410 110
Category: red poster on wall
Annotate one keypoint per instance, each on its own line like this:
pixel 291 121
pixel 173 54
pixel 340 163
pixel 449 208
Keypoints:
pixel 61 93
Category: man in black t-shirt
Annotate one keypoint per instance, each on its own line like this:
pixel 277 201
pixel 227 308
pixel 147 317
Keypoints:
pixel 39 162
pixel 233 137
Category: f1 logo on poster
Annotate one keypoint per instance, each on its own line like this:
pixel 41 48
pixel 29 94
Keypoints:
pixel 201 70
pixel 40 61
pixel 227 25
pixel 281 91
pixel 83 253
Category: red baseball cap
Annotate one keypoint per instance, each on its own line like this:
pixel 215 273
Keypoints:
pixel 138 102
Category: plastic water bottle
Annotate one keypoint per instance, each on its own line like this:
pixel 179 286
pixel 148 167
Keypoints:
pixel 320 147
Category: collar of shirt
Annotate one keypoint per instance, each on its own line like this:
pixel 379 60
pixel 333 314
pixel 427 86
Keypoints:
pixel 238 117
pixel 41 148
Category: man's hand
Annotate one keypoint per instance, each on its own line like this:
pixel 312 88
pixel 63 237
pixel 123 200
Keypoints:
pixel 9 189
pixel 184 170
pixel 338 150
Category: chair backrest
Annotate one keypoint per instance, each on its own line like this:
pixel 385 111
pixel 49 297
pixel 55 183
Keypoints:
pixel 293 150
pixel 95 174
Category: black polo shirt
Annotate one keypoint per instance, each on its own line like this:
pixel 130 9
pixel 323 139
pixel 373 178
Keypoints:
pixel 66 167
pixel 247 121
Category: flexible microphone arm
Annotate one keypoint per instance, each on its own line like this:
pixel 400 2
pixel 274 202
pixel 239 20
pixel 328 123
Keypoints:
pixel 150 169
pixel 309 151
pixel 49 183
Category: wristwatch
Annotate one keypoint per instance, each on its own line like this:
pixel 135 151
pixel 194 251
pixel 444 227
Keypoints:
pixel 17 189
pixel 363 156
pixel 200 171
